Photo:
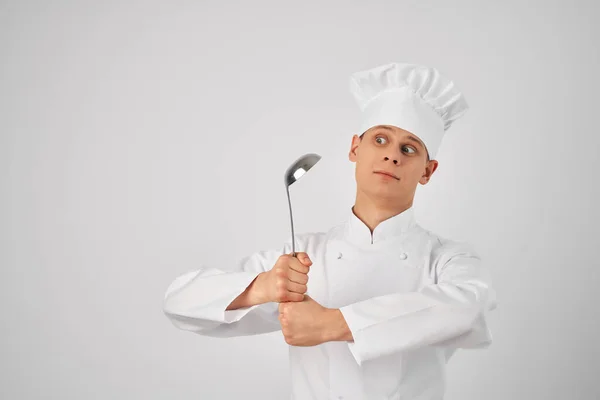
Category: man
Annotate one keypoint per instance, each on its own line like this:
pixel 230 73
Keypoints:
pixel 375 307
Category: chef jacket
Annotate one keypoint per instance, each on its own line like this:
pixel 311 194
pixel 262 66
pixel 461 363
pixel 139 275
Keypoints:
pixel 409 297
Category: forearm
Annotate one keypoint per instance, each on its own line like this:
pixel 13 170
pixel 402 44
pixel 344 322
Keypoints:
pixel 251 296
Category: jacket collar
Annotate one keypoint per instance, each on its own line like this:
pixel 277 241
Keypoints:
pixel 357 232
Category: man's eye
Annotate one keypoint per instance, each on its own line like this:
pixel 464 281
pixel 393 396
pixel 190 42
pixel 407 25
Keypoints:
pixel 409 148
pixel 379 137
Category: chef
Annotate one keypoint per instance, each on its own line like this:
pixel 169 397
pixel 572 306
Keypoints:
pixel 374 307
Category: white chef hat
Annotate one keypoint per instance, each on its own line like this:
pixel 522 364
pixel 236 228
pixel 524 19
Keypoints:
pixel 412 97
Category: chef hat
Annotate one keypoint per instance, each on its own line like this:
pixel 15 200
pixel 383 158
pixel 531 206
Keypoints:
pixel 412 97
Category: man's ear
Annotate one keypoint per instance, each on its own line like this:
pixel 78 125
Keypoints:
pixel 353 153
pixel 429 170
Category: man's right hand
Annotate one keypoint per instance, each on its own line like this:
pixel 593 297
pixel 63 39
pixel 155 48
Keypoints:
pixel 287 280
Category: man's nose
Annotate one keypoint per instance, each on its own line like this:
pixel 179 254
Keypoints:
pixel 394 160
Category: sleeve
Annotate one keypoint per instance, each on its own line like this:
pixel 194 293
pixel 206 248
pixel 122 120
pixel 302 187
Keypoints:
pixel 197 300
pixel 451 313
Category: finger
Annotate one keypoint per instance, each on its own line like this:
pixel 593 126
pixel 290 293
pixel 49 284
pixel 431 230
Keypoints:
pixel 303 258
pixel 296 265
pixel 292 297
pixel 284 295
pixel 296 287
pixel 297 277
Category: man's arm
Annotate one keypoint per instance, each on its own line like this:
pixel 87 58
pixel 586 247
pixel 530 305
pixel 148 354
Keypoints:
pixel 452 311
pixel 213 302
pixel 252 296
pixel 216 303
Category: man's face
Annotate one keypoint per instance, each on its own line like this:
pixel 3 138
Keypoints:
pixel 395 151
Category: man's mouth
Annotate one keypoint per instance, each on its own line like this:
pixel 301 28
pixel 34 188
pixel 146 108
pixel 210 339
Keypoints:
pixel 388 174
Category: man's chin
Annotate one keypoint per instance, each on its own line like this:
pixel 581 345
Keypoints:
pixel 387 191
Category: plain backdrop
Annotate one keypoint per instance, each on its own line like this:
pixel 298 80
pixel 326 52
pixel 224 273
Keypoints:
pixel 143 139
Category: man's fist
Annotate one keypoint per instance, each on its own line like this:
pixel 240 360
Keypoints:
pixel 287 280
pixel 307 323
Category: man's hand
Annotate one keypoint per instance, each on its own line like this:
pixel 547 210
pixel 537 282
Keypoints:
pixel 287 280
pixel 307 323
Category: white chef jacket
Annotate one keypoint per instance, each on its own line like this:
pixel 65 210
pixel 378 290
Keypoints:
pixel 409 297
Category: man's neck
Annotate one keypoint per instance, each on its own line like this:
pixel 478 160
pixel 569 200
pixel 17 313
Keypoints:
pixel 373 211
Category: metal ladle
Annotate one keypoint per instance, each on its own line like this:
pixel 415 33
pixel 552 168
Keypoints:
pixel 292 174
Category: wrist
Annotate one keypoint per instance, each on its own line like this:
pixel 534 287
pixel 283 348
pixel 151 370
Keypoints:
pixel 256 292
pixel 336 328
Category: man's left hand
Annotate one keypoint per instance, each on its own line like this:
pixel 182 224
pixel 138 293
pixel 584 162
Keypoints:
pixel 307 323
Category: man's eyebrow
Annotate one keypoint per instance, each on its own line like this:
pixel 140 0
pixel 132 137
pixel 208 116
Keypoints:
pixel 409 137
pixel 414 139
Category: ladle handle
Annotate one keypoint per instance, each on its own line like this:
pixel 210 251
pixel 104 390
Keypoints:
pixel 287 188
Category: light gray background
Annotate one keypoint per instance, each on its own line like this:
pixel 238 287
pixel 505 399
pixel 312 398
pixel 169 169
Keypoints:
pixel 140 140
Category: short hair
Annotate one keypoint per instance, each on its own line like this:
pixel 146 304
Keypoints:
pixel 427 151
